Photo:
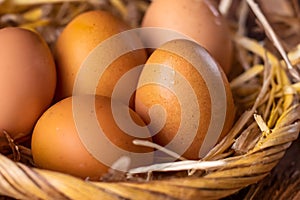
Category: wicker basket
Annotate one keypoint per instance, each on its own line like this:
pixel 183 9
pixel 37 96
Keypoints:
pixel 268 122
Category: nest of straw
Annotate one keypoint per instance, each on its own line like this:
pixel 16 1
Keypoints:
pixel 265 85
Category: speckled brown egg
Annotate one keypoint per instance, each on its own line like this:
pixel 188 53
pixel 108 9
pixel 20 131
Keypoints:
pixel 198 19
pixel 79 38
pixel 198 108
pixel 27 80
pixel 57 142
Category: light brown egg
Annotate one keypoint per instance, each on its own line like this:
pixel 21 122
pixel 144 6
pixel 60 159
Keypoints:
pixel 79 38
pixel 198 19
pixel 27 80
pixel 57 142
pixel 194 92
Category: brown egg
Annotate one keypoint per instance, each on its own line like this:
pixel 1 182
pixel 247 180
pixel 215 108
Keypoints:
pixel 195 96
pixel 27 80
pixel 198 19
pixel 58 138
pixel 80 37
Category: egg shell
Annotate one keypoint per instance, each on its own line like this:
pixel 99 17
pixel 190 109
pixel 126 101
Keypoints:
pixel 198 19
pixel 56 143
pixel 27 80
pixel 79 38
pixel 151 93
